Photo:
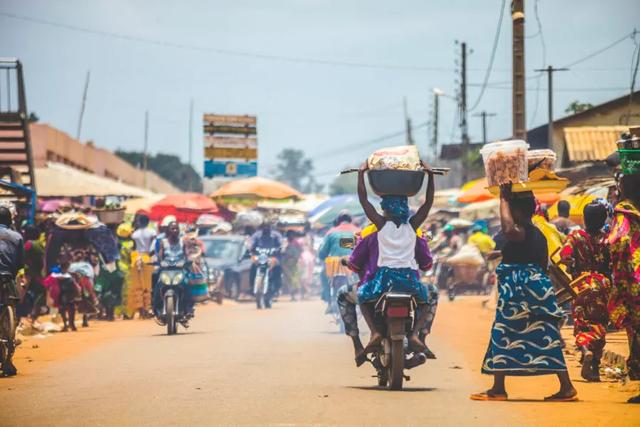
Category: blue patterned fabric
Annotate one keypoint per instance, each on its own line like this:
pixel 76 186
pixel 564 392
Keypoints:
pixel 397 207
pixel 392 279
pixel 525 337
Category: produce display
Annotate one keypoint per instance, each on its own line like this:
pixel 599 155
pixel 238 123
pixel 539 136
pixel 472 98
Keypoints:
pixel 504 167
pixel 543 159
pixel 405 157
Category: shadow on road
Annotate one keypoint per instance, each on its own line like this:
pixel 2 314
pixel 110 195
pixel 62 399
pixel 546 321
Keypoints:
pixel 179 334
pixel 404 389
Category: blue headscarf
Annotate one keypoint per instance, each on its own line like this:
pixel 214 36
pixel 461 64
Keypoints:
pixel 397 207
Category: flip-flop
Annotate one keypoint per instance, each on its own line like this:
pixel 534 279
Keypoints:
pixel 485 396
pixel 361 359
pixel 556 398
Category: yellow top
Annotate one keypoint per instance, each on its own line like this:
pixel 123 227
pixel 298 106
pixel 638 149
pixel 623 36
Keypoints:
pixel 483 242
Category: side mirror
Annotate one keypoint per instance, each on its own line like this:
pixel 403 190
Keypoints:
pixel 348 242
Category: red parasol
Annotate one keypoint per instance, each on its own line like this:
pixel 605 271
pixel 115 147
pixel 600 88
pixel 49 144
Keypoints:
pixel 186 207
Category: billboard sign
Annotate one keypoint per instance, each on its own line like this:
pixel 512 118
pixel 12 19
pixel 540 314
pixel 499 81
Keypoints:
pixel 230 146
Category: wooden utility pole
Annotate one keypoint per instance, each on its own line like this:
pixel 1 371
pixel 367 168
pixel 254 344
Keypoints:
pixel 550 70
pixel 82 105
pixel 518 85
pixel 146 146
pixel 464 128
pixel 484 116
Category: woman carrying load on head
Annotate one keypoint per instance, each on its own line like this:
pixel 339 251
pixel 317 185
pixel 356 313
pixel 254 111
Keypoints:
pixel 586 254
pixel 525 337
pixel 397 266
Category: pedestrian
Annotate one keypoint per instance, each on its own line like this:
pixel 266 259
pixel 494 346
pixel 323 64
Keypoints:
pixel 126 246
pixel 291 269
pixel 586 255
pixel 624 243
pixel 562 222
pixel 34 302
pixel 525 337
pixel 64 292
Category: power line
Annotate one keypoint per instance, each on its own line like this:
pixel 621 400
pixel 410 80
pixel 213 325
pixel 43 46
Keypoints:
pixel 599 51
pixel 220 51
pixel 496 39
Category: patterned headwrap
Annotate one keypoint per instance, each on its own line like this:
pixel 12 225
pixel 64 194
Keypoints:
pixel 397 207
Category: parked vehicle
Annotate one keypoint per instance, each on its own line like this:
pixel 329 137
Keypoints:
pixel 172 285
pixel 228 264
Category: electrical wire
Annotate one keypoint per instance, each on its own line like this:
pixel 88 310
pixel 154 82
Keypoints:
pixel 220 51
pixel 487 74
pixel 634 73
pixel 599 51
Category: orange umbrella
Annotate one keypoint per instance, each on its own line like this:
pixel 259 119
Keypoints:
pixel 256 187
pixel 186 207
pixel 475 191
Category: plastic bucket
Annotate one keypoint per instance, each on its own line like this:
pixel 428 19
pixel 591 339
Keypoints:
pixel 394 182
pixel 544 159
pixel 505 161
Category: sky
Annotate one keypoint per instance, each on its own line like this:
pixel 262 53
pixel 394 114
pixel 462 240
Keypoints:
pixel 322 76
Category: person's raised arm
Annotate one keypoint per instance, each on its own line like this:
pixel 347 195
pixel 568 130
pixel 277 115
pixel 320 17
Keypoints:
pixel 511 230
pixel 423 212
pixel 368 208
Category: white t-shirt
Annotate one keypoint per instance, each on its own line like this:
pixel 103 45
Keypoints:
pixel 143 238
pixel 397 246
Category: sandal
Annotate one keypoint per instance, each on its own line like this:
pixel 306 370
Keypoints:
pixel 487 396
pixel 558 397
pixel 361 358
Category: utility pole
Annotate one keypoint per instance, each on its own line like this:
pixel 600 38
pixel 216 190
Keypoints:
pixel 437 93
pixel 84 101
pixel 484 116
pixel 464 129
pixel 146 146
pixel 407 122
pixel 518 84
pixel 550 70
pixel 190 141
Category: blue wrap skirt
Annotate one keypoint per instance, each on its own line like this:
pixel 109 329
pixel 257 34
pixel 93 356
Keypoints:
pixel 387 279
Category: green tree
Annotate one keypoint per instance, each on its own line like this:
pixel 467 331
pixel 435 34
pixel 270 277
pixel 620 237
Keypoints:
pixel 296 170
pixel 578 107
pixel 169 167
pixel 344 184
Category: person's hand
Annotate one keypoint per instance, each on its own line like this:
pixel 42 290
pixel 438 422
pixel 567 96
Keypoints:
pixel 505 191
pixel 364 166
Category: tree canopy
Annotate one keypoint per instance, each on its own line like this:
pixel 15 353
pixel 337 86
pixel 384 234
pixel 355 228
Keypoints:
pixel 169 167
pixel 296 170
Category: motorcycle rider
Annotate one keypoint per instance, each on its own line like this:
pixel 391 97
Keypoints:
pixel 481 239
pixel 364 261
pixel 343 228
pixel 172 249
pixel 11 260
pixel 267 238
pixel 396 259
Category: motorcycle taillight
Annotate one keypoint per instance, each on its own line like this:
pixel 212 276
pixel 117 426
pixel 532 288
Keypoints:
pixel 398 311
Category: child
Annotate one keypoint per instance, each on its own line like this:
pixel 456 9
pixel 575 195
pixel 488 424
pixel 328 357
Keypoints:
pixel 397 266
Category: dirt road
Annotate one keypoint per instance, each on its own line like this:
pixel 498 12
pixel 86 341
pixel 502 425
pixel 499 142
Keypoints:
pixel 237 365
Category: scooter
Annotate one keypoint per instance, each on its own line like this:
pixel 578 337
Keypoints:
pixel 265 260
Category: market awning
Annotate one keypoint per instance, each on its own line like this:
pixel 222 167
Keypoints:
pixel 58 180
pixel 591 143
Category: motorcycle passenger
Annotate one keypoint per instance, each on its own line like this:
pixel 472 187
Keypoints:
pixel 330 251
pixel 11 260
pixel 267 238
pixel 364 261
pixel 172 250
pixel 397 263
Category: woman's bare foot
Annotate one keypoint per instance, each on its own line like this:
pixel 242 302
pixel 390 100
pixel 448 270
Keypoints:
pixel 374 341
pixel 416 344
pixel 490 395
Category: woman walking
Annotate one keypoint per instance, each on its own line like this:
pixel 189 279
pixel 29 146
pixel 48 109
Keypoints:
pixel 525 337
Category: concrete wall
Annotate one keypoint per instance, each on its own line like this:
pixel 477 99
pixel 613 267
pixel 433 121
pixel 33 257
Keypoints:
pixel 51 144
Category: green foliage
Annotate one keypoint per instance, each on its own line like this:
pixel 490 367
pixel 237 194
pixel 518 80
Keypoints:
pixel 344 184
pixel 578 107
pixel 296 170
pixel 169 167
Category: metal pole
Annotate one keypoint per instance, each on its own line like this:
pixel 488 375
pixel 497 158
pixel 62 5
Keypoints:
pixel 550 70
pixel 518 85
pixel 463 112
pixel 84 101
pixel 146 146
pixel 484 115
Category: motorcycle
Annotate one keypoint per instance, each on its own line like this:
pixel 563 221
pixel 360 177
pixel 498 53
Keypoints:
pixel 172 287
pixel 395 315
pixel 8 324
pixel 265 260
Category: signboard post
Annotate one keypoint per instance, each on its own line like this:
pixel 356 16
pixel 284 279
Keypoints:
pixel 230 146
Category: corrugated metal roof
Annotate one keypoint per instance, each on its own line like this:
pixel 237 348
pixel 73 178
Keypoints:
pixel 591 143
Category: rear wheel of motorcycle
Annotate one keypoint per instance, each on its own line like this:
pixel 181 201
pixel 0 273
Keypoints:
pixel 7 332
pixel 396 370
pixel 171 319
